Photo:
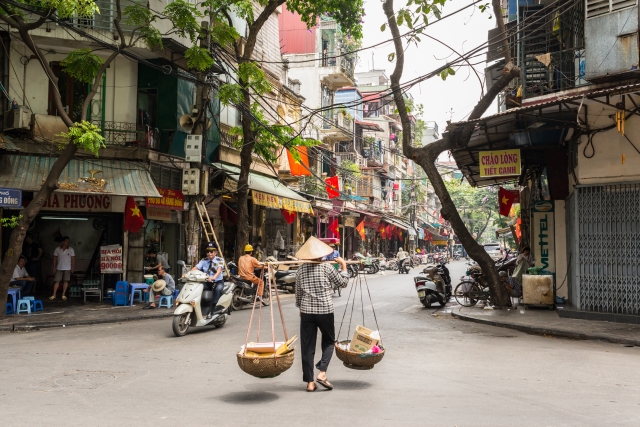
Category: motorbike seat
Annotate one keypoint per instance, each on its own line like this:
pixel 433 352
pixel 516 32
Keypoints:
pixel 281 274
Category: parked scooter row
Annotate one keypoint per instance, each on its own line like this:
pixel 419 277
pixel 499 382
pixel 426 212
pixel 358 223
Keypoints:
pixel 434 285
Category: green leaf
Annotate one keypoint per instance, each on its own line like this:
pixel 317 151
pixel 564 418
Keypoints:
pixel 436 12
pixel 451 71
pixel 400 19
pixel 85 135
pixel 198 58
pixel 82 65
pixel 391 56
pixel 383 27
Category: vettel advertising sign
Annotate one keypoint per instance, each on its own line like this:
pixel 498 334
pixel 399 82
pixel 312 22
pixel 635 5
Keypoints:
pixel 499 163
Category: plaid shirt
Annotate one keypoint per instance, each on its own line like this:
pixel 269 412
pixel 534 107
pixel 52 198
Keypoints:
pixel 314 290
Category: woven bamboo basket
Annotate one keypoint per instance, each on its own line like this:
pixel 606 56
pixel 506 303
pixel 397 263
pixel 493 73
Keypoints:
pixel 266 367
pixel 354 360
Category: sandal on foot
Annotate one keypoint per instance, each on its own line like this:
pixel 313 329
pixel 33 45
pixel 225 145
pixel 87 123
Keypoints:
pixel 51 298
pixel 64 297
pixel 324 383
pixel 315 387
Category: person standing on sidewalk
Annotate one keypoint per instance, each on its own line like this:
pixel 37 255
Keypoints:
pixel 64 262
pixel 314 298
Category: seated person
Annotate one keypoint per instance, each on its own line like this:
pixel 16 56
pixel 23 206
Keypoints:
pixel 166 290
pixel 512 285
pixel 21 278
pixel 246 266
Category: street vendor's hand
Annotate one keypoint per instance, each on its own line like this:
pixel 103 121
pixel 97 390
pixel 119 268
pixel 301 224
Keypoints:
pixel 342 262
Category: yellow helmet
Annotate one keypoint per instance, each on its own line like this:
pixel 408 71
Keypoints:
pixel 248 248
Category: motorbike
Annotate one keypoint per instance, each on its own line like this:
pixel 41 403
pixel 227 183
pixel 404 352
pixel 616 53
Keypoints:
pixel 434 285
pixel 404 266
pixel 244 292
pixel 285 279
pixel 367 265
pixel 193 300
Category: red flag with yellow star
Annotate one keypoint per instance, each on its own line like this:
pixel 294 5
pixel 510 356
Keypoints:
pixel 133 219
pixel 360 229
pixel 335 228
pixel 382 231
pixel 505 200
pixel 289 216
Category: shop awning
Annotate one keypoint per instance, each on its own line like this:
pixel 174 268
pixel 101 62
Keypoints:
pixel 411 232
pixel 270 192
pixel 123 177
pixel 401 224
pixel 369 126
pixel 362 212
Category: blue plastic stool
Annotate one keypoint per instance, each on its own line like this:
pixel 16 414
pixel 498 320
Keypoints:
pixel 109 296
pixel 24 306
pixel 36 305
pixel 176 293
pixel 166 301
pixel 8 309
pixel 139 296
pixel 29 298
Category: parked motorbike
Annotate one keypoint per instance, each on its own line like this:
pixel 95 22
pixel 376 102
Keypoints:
pixel 434 285
pixel 245 292
pixel 193 300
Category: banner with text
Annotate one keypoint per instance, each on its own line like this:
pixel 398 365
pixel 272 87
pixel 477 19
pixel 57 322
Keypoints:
pixel 543 235
pixel 110 259
pixel 499 163
pixel 171 199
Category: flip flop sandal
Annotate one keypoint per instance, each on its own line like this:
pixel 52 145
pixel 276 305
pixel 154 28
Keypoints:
pixel 325 384
pixel 52 298
pixel 64 298
pixel 315 387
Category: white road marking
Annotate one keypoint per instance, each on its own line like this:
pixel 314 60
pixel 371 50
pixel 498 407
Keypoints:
pixel 412 309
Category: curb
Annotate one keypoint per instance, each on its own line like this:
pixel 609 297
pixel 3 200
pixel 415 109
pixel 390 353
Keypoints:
pixel 547 331
pixel 28 327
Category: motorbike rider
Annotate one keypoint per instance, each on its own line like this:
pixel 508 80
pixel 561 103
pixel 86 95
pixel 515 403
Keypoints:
pixel 212 265
pixel 402 257
pixel 246 266
pixel 333 255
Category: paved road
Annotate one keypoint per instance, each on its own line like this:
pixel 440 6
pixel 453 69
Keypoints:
pixel 438 371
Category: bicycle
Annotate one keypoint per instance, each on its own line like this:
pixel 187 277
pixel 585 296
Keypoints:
pixel 469 292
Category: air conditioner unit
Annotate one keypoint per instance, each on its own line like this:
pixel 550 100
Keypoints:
pixel 17 118
pixel 191 182
pixel 193 148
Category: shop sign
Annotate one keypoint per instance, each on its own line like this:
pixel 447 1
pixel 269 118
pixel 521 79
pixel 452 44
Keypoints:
pixel 372 221
pixel 10 198
pixel 110 259
pixel 349 221
pixel 230 185
pixel 70 202
pixel 276 202
pixel 171 199
pixel 499 163
pixel 543 235
pixel 158 214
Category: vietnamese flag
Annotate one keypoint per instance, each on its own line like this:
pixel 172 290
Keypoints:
pixel 360 229
pixel 299 168
pixel 505 200
pixel 387 232
pixel 381 230
pixel 400 234
pixel 133 219
pixel 333 188
pixel 289 216
pixel 335 228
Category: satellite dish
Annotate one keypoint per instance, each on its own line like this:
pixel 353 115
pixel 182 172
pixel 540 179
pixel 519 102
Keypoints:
pixel 186 122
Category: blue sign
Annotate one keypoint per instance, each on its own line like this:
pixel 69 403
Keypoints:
pixel 10 198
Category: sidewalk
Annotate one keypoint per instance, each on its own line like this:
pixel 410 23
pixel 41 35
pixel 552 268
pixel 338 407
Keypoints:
pixel 62 314
pixel 547 322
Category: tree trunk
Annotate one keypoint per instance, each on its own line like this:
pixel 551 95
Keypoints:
pixel 486 224
pixel 427 156
pixel 246 159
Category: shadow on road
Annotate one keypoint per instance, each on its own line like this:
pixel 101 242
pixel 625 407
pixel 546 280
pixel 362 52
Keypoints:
pixel 350 384
pixel 249 397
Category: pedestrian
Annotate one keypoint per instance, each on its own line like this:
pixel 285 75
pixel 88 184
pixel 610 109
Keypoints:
pixel 213 266
pixel 246 267
pixel 158 259
pixel 165 285
pixel 21 278
pixel 33 252
pixel 314 298
pixel 64 262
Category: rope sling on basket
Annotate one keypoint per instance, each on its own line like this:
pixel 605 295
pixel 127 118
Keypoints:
pixel 364 349
pixel 270 359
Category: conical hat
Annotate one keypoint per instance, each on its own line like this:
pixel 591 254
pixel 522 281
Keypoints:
pixel 313 249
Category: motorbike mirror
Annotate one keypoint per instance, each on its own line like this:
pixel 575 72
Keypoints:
pixel 180 262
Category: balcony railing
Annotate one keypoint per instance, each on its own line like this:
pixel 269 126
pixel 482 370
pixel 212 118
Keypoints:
pixel 104 19
pixel 345 63
pixel 128 134
pixel 338 120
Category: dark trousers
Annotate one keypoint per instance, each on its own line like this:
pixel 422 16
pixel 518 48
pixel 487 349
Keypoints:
pixel 217 288
pixel 25 286
pixel 309 325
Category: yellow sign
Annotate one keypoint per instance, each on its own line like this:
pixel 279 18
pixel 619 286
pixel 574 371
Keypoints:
pixel 499 163
pixel 276 202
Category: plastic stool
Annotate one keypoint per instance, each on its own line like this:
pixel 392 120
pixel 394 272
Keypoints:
pixel 24 306
pixel 29 298
pixel 166 301
pixel 138 292
pixel 176 293
pixel 109 296
pixel 8 309
pixel 36 305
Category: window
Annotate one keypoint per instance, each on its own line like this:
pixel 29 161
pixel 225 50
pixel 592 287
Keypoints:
pixel 164 177
pixel 601 7
pixel 72 94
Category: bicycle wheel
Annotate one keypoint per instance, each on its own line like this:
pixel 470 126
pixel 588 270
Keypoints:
pixel 466 293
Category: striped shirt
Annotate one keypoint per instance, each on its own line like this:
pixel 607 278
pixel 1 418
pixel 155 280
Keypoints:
pixel 314 290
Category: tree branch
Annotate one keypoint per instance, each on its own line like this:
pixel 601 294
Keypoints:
pixel 497 11
pixel 256 26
